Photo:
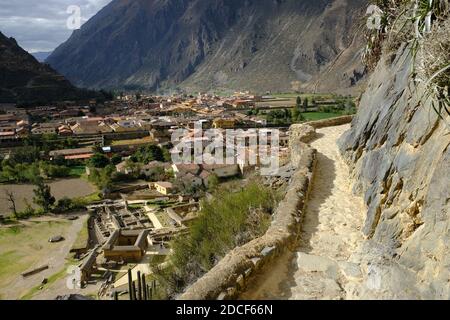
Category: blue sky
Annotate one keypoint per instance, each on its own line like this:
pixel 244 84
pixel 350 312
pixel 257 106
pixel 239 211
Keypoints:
pixel 41 25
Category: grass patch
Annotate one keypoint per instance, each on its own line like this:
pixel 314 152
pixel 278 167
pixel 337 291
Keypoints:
pixel 145 140
pixel 8 262
pixel 77 172
pixel 314 116
pixel 231 219
pixel 52 279
pixel 136 206
pixel 82 240
pixel 310 96
pixel 23 247
pixel 89 199
pixel 14 230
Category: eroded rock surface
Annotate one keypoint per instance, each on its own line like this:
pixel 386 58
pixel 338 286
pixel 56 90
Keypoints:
pixel 398 151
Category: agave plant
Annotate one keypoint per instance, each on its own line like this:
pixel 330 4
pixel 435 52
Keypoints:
pixel 426 12
pixel 413 21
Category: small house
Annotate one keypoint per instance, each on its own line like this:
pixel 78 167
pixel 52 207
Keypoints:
pixel 164 188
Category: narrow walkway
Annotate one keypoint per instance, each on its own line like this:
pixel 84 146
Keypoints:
pixel 321 269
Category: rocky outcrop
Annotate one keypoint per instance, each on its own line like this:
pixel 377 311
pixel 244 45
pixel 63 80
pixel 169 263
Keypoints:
pixel 399 153
pixel 196 45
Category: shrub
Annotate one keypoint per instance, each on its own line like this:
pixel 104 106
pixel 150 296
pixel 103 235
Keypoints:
pixel 99 160
pixel 116 159
pixel 148 154
pixel 229 220
pixel 64 205
pixel 424 24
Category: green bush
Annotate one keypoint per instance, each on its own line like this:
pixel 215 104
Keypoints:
pixel 99 160
pixel 230 220
pixel 102 177
pixel 54 171
pixel 28 212
pixel 150 153
pixel 116 159
pixel 64 205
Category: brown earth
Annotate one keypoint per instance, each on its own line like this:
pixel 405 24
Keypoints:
pixel 71 188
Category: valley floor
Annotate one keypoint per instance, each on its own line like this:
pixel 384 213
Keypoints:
pixel 331 233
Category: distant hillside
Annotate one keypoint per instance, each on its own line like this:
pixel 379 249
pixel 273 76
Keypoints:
pixel 257 45
pixel 41 56
pixel 24 80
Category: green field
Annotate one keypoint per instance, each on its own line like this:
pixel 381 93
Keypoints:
pixel 77 171
pixel 314 116
pixel 23 247
pixel 310 96
pixel 82 240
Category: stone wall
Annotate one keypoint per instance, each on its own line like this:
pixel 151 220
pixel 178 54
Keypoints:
pixel 399 153
pixel 333 122
pixel 301 134
pixel 234 272
pixel 231 275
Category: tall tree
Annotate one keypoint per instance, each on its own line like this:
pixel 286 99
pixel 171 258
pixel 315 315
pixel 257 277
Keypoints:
pixel 99 160
pixel 43 196
pixel 12 200
pixel 297 111
pixel 299 102
pixel 305 105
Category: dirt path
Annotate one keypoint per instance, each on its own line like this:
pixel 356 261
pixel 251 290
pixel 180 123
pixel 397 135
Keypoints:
pixel 321 269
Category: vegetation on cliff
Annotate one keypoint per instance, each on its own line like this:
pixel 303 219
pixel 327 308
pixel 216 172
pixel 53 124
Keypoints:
pixel 424 25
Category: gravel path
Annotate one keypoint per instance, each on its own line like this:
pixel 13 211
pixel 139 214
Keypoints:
pixel 320 269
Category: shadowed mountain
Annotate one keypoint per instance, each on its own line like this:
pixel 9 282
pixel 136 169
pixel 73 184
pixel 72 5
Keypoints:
pixel 24 80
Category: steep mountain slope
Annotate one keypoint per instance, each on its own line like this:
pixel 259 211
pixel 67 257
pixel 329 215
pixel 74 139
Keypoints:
pixel 231 44
pixel 24 80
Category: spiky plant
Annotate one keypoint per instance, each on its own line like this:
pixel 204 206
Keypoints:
pixel 433 67
pixel 423 24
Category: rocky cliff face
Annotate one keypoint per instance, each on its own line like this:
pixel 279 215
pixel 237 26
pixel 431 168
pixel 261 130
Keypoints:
pixel 399 153
pixel 218 44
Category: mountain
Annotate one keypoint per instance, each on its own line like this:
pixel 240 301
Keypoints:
pixel 231 44
pixel 24 80
pixel 41 56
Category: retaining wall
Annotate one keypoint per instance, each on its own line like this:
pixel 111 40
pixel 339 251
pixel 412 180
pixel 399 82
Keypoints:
pixel 236 270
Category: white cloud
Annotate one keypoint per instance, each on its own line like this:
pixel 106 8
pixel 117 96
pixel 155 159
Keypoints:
pixel 41 25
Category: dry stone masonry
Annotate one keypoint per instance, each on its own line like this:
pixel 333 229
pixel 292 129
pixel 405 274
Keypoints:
pixel 238 269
